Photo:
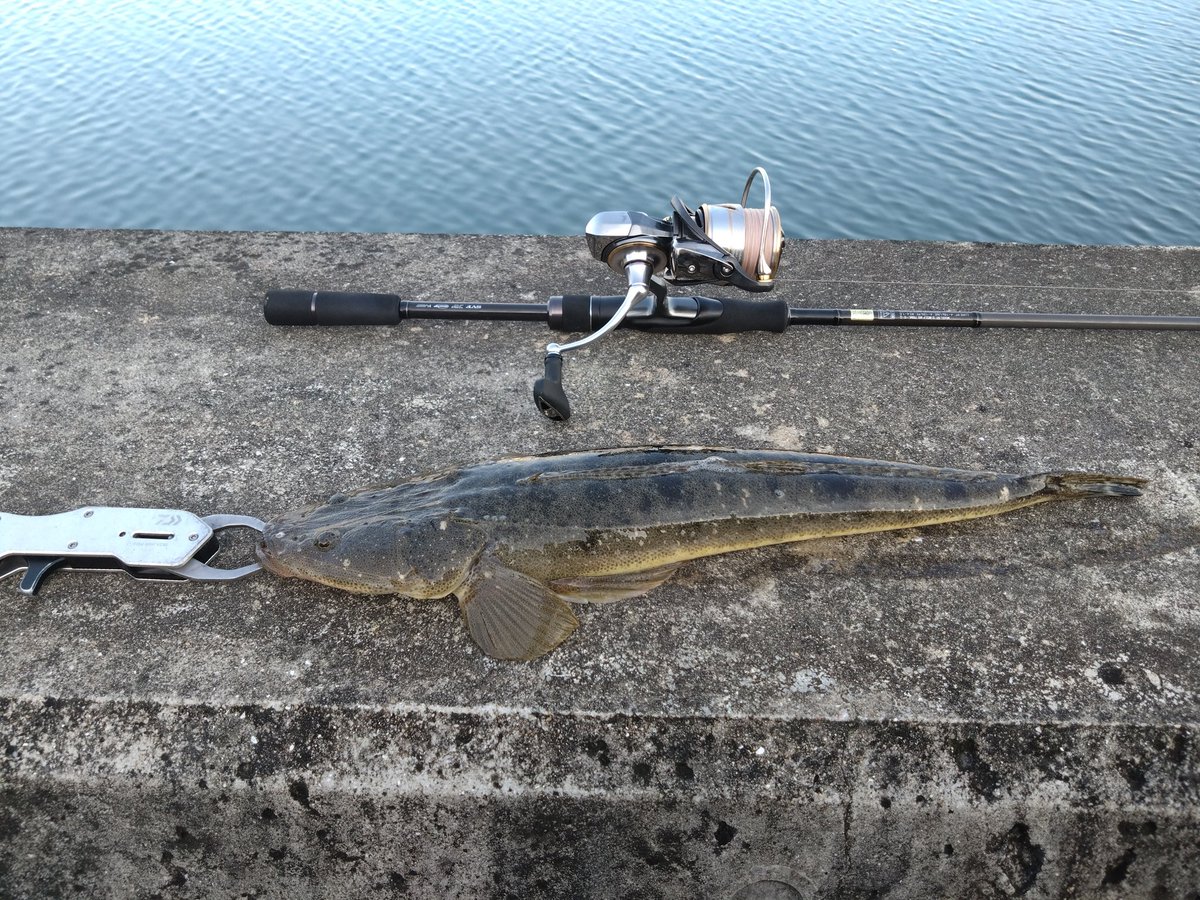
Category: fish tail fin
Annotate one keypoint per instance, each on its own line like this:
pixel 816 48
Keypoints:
pixel 1090 484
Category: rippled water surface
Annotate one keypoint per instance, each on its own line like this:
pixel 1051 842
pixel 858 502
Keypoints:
pixel 1020 121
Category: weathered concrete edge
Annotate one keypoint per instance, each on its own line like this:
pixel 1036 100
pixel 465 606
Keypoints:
pixel 195 797
pixel 500 710
pixel 540 750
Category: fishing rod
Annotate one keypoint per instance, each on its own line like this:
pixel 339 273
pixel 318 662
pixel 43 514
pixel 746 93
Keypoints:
pixel 726 244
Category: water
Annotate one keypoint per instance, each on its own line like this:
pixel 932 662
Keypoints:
pixel 1028 120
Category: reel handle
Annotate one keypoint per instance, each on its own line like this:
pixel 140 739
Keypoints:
pixel 331 308
pixel 548 391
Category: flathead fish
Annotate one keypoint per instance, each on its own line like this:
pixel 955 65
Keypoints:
pixel 517 540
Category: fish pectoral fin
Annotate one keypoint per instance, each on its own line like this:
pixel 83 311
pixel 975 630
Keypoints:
pixel 607 588
pixel 513 616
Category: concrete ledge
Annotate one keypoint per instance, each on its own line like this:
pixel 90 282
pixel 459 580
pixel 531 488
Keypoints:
pixel 308 801
pixel 998 708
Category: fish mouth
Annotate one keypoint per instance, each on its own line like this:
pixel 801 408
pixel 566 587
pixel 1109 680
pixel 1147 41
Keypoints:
pixel 269 557
pixel 278 551
pixel 279 557
pixel 272 562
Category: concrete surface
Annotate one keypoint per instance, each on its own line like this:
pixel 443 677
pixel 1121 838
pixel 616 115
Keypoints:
pixel 998 708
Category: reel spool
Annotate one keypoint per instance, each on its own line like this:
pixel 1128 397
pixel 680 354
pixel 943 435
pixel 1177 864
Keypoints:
pixel 754 237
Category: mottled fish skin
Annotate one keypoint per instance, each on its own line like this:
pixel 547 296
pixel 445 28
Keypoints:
pixel 515 538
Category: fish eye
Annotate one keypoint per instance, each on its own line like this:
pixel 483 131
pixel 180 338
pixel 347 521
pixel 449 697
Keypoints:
pixel 325 540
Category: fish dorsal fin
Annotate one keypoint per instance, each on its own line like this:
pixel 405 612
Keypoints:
pixel 714 462
pixel 607 588
pixel 513 616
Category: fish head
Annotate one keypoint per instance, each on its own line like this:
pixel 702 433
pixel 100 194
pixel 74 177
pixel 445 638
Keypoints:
pixel 364 546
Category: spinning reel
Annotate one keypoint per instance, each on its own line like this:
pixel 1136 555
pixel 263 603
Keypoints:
pixel 725 244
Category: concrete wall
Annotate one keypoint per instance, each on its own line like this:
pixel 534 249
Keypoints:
pixel 1004 707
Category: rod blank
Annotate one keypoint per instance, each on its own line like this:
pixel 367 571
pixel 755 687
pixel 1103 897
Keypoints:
pixel 946 318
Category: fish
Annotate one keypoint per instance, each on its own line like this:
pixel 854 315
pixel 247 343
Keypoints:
pixel 517 541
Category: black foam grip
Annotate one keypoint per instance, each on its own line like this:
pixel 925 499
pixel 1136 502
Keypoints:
pixel 746 315
pixel 331 308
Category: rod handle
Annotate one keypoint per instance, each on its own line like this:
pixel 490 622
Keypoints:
pixel 728 315
pixel 331 308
